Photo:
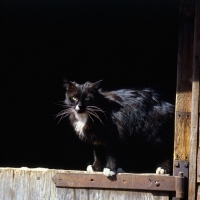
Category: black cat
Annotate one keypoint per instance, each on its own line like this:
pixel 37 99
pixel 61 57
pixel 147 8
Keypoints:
pixel 128 128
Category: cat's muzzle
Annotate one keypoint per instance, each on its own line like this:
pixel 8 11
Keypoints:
pixel 80 109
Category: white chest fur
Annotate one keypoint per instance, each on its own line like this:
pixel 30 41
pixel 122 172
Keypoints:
pixel 80 123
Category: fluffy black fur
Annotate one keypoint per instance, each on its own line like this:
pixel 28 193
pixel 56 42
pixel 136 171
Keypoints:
pixel 129 128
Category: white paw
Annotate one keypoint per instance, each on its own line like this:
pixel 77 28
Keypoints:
pixel 159 170
pixel 89 168
pixel 120 170
pixel 107 172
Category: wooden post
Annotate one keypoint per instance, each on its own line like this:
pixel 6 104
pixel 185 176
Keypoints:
pixel 184 81
pixel 195 106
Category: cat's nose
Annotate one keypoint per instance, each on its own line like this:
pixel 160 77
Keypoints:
pixel 80 108
pixel 77 108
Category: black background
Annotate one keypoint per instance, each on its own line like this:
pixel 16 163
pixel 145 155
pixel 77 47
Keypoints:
pixel 127 43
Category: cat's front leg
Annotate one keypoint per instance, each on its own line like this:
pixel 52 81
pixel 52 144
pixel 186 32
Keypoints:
pixel 97 166
pixel 111 162
pixel 111 167
pixel 99 159
pixel 165 167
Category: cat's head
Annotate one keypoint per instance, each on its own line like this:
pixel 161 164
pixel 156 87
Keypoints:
pixel 81 96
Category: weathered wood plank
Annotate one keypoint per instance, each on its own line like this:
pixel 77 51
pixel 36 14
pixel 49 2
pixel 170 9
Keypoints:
pixel 198 192
pixel 198 165
pixel 122 195
pixel 184 76
pixel 24 183
pixel 37 184
pixel 182 135
pixel 94 194
pixel 195 106
pixel 6 182
pixel 65 194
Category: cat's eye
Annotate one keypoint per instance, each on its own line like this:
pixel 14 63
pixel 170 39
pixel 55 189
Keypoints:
pixel 87 98
pixel 74 98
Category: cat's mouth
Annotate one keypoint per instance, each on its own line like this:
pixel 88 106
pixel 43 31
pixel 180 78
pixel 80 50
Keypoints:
pixel 90 111
pixel 80 111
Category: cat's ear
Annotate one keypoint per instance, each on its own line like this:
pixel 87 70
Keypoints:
pixel 96 85
pixel 68 84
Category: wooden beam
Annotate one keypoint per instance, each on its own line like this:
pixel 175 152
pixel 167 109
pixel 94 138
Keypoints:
pixel 184 79
pixel 195 105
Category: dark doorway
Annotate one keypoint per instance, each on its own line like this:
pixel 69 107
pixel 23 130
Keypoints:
pixel 125 43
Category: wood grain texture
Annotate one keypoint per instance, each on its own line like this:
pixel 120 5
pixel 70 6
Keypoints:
pixel 198 165
pixel 94 194
pixel 195 106
pixel 37 184
pixel 184 80
pixel 6 182
pixel 182 136
pixel 198 192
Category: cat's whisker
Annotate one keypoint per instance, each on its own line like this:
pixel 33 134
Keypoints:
pixel 90 117
pixel 63 114
pixel 62 117
pixel 93 110
pixel 95 115
pixel 97 109
pixel 62 105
